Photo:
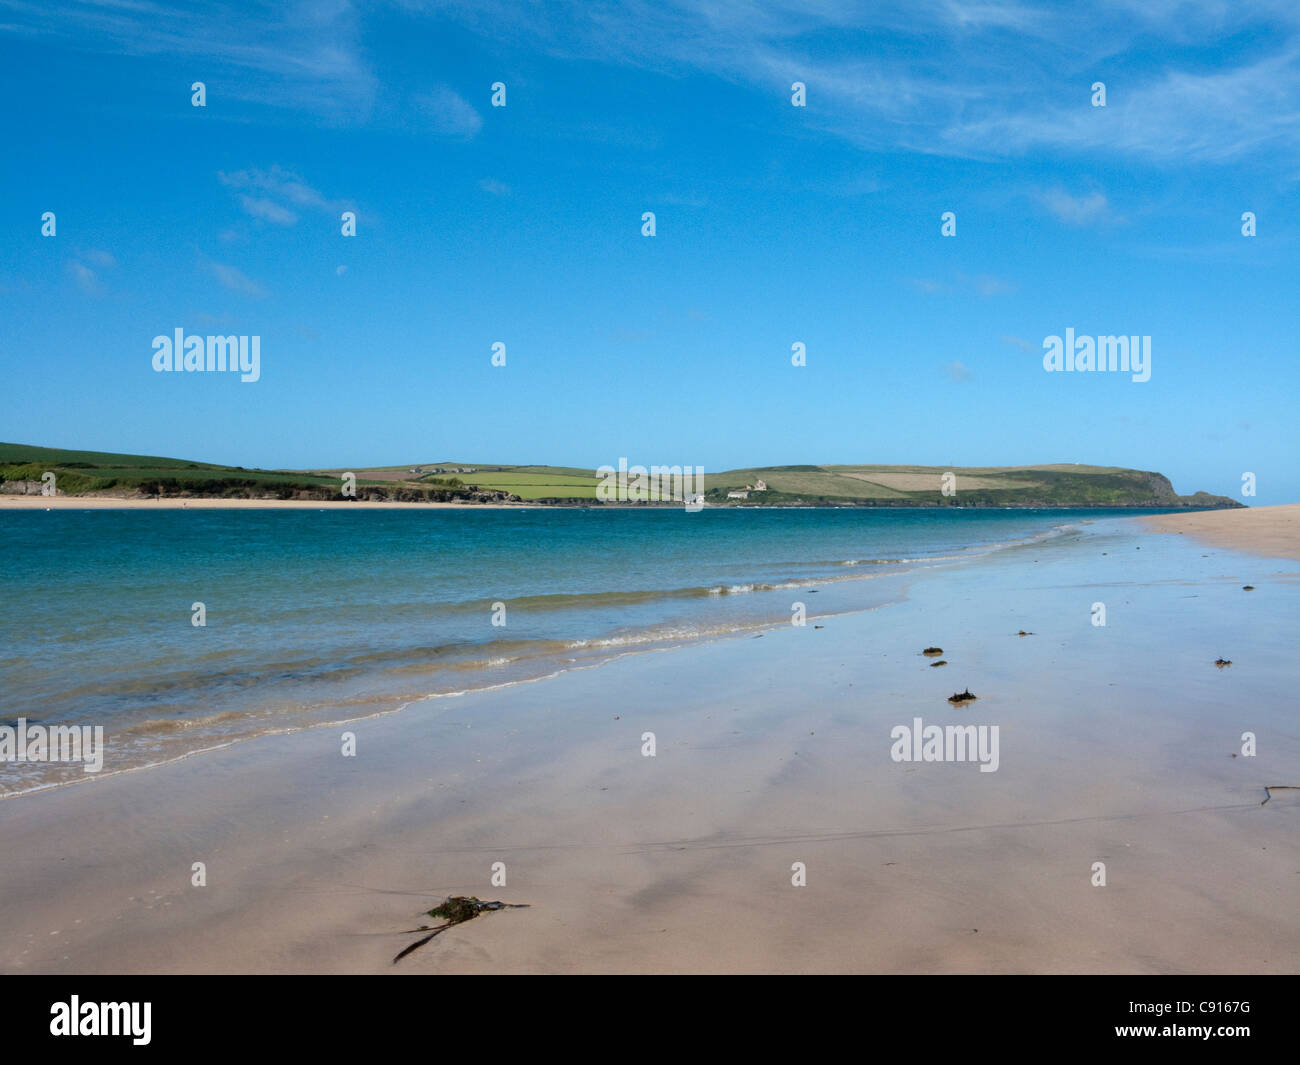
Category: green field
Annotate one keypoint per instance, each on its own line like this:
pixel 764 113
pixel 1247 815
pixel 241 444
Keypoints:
pixel 81 472
pixel 24 454
pixel 112 473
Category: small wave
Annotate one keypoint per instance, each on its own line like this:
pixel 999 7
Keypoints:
pixel 180 724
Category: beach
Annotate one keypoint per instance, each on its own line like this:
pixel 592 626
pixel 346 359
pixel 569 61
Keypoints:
pixel 1120 744
pixel 103 502
pixel 1266 531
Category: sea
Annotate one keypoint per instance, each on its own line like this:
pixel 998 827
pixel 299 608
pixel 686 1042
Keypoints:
pixel 180 631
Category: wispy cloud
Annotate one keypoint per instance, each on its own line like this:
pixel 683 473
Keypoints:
pixel 445 112
pixel 985 285
pixel 973 78
pixel 267 210
pixel 1081 210
pixel 302 56
pixel 271 195
pixel 958 371
pixel 85 278
pixel 236 280
pixel 494 187
pixel 1176 117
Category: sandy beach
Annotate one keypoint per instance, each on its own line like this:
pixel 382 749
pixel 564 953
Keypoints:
pixel 38 502
pixel 1119 745
pixel 1269 531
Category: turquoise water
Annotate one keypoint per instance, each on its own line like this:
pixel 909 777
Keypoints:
pixel 315 616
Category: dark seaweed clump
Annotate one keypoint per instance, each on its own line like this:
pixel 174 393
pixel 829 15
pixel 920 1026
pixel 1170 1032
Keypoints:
pixel 456 910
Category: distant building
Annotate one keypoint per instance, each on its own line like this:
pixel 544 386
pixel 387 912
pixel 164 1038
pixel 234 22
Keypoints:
pixel 739 494
pixel 760 486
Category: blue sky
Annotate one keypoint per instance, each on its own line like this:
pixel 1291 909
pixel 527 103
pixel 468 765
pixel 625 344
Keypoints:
pixel 775 224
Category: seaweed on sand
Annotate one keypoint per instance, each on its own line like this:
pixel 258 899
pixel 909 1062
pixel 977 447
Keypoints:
pixel 456 910
pixel 962 697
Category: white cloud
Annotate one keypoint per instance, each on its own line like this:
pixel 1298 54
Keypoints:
pixel 1076 210
pixel 1174 117
pixel 85 278
pixel 970 78
pixel 237 281
pixel 267 194
pixel 303 56
pixel 267 210
pixel 446 113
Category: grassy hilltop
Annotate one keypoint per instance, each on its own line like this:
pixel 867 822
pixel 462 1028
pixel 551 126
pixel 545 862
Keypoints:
pixel 107 473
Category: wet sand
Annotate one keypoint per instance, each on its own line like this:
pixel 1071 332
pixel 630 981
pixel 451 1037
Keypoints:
pixel 1117 746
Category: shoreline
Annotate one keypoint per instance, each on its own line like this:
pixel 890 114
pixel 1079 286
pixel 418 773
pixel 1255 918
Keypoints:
pixel 36 502
pixel 768 754
pixel 16 501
